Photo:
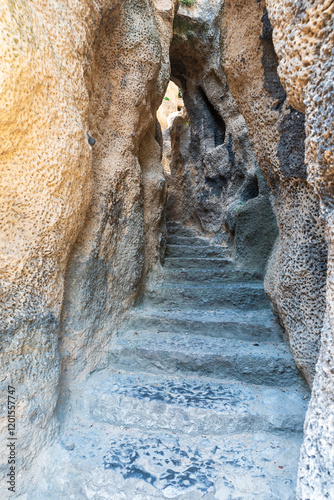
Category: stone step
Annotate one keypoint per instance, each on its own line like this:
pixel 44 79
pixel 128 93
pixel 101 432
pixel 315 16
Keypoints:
pixel 220 276
pixel 172 223
pixel 197 262
pixel 178 230
pixel 192 406
pixel 100 461
pixel 242 325
pixel 196 251
pixel 187 240
pixel 265 363
pixel 231 295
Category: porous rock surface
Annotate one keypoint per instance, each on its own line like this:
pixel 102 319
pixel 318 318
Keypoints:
pixel 83 200
pixel 296 274
pixel 215 183
pixel 303 37
pixel 69 69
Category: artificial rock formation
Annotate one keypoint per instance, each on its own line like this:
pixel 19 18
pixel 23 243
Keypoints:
pixel 201 400
pixel 69 69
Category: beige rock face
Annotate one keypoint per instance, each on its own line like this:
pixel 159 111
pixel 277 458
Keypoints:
pixel 128 79
pixel 82 224
pixel 172 103
pixel 296 276
pixel 303 36
pixel 46 186
pixel 68 69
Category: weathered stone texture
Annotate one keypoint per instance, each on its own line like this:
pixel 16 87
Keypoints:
pixel 215 184
pixel 298 267
pixel 82 226
pixel 303 37
pixel 129 74
pixel 45 190
pixel 68 69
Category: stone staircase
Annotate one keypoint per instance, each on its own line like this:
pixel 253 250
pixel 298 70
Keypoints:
pixel 203 400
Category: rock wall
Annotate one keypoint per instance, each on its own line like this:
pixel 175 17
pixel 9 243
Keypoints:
pixel 120 240
pixel 303 37
pixel 80 225
pixel 295 153
pixel 296 275
pixel 46 185
pixel 215 183
pixel 82 221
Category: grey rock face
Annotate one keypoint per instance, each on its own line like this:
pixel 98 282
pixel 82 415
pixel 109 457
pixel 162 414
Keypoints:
pixel 296 273
pixel 306 70
pixel 255 232
pixel 215 183
pixel 198 402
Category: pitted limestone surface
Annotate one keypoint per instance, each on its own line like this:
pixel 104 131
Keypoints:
pixel 211 409
pixel 303 38
pixel 80 223
pixel 296 272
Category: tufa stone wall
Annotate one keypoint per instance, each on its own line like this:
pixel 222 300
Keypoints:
pixel 215 183
pixel 296 274
pixel 80 226
pixel 303 36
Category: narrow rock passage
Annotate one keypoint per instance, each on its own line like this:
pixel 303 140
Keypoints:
pixel 203 400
